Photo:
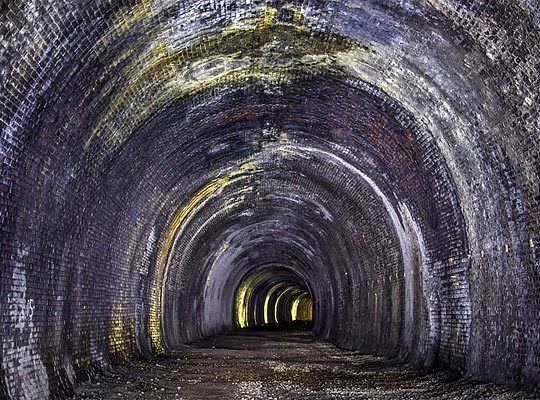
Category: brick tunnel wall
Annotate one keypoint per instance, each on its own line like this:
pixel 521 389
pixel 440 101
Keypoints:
pixel 153 152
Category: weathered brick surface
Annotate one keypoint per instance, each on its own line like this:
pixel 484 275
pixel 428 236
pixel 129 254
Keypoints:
pixel 152 152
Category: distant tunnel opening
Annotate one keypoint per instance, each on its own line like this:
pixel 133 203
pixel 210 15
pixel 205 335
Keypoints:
pixel 273 297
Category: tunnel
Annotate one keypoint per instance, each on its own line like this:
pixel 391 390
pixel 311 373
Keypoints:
pixel 356 178
pixel 272 296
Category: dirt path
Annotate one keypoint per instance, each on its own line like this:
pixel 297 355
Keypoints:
pixel 280 365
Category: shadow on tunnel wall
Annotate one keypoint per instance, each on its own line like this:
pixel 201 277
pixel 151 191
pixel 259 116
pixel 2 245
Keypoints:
pixel 380 156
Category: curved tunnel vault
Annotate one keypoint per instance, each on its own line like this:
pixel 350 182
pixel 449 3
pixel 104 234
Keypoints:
pixel 272 295
pixel 172 170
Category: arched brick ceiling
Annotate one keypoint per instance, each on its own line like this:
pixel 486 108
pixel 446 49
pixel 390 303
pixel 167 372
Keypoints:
pixel 155 152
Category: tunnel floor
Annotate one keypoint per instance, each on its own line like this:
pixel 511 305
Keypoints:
pixel 270 364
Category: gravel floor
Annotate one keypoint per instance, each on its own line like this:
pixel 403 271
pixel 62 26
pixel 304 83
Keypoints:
pixel 280 365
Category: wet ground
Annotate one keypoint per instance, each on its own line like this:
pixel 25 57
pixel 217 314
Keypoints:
pixel 280 365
